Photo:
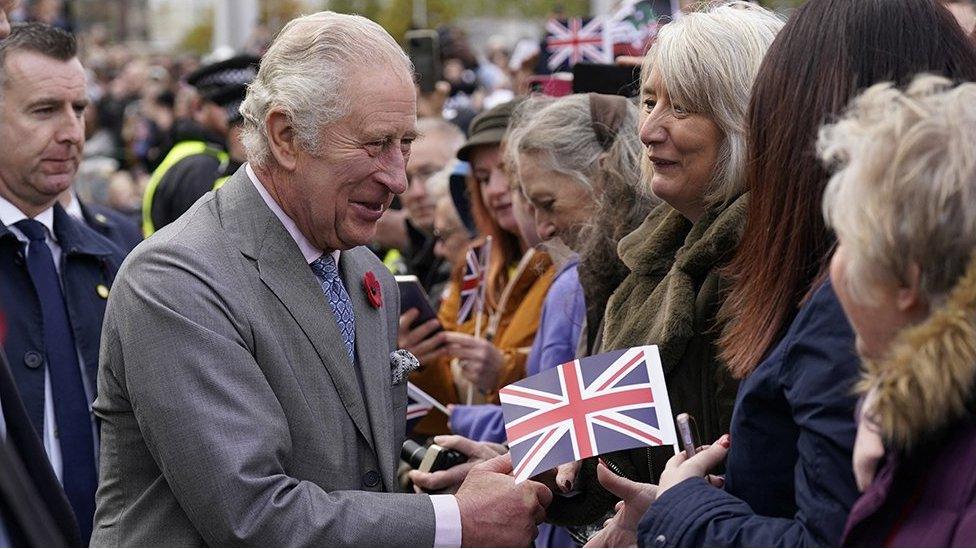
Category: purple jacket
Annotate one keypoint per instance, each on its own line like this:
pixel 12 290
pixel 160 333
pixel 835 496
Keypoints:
pixel 928 500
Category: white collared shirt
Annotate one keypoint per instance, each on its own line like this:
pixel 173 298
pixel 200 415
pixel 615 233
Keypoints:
pixel 447 515
pixel 9 215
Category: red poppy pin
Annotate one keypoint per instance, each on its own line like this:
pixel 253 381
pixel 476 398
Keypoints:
pixel 372 288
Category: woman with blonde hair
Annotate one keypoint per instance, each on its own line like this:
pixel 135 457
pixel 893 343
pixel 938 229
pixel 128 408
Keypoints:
pixel 903 204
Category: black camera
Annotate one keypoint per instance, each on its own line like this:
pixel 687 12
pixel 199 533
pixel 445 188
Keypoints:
pixel 430 459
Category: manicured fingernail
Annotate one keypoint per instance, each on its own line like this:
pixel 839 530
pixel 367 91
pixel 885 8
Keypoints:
pixel 725 441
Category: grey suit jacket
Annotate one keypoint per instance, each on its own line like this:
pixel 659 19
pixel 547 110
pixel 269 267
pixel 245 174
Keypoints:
pixel 230 413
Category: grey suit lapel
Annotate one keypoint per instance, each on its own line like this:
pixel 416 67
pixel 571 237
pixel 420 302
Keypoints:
pixel 372 348
pixel 283 269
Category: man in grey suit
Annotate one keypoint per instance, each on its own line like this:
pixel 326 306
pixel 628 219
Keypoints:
pixel 245 388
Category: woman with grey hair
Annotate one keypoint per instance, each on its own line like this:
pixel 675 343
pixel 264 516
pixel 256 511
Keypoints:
pixel 695 89
pixel 903 205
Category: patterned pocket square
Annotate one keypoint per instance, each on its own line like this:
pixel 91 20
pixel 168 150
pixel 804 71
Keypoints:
pixel 402 362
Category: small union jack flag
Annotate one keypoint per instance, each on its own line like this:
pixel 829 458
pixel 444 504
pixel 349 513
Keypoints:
pixel 471 281
pixel 416 411
pixel 570 41
pixel 419 404
pixel 604 403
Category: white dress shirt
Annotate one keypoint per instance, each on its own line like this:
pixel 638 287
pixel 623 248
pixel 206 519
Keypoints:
pixel 447 515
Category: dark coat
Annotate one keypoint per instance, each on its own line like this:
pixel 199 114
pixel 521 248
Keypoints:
pixel 113 225
pixel 32 504
pixel 924 405
pixel 88 262
pixel 670 299
pixel 926 500
pixel 788 473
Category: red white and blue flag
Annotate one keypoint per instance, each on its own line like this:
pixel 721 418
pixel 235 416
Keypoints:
pixel 419 404
pixel 570 41
pixel 591 406
pixel 471 281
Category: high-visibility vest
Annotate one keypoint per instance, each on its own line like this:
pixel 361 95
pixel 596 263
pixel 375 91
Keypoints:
pixel 181 150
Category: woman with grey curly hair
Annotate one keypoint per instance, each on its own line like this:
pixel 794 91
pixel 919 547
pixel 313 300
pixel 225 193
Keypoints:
pixel 903 205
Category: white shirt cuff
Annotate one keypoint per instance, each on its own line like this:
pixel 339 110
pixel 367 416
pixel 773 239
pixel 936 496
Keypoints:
pixel 447 521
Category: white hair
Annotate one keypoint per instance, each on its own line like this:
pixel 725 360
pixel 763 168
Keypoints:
pixel 905 190
pixel 303 74
pixel 707 61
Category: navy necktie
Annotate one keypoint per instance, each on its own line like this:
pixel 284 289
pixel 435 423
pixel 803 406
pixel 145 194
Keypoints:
pixel 327 272
pixel 71 406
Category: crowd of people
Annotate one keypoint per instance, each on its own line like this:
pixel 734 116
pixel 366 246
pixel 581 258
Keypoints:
pixel 203 341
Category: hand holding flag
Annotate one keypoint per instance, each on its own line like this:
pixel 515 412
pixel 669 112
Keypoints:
pixel 604 403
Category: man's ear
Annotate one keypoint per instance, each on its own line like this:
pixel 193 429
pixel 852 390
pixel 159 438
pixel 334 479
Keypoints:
pixel 282 140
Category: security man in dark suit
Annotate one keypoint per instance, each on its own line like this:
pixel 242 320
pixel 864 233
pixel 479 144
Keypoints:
pixel 204 151
pixel 55 272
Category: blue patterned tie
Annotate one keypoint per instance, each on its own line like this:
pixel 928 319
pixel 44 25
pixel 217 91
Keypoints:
pixel 71 408
pixel 327 272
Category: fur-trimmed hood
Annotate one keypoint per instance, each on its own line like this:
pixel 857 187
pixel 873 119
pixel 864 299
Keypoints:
pixel 926 382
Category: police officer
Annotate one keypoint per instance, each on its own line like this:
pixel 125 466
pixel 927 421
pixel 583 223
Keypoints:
pixel 207 148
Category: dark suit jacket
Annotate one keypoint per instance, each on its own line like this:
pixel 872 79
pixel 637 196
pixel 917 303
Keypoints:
pixel 89 262
pixel 32 503
pixel 113 225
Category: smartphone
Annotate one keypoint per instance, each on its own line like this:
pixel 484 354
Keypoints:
pixel 608 79
pixel 424 51
pixel 413 296
pixel 686 433
pixel 459 195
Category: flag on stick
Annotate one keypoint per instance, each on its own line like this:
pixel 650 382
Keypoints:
pixel 471 282
pixel 419 404
pixel 587 407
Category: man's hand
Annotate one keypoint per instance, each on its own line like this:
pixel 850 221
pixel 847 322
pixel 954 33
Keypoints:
pixel 449 480
pixel 495 512
pixel 419 341
pixel 481 362
pixel 681 467
pixel 636 497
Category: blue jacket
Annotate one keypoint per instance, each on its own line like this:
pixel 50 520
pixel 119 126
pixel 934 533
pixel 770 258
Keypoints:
pixel 88 266
pixel 788 478
pixel 563 312
pixel 113 225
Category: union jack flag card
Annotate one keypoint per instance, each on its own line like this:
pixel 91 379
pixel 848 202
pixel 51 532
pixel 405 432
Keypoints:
pixel 587 407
